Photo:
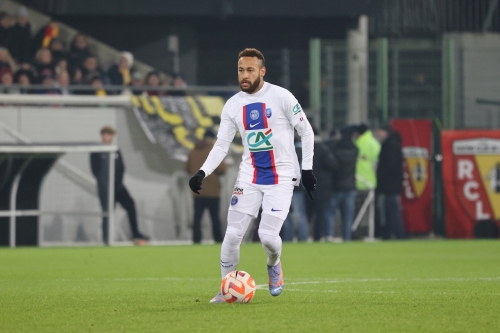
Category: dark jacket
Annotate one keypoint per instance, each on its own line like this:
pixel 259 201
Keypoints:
pixel 211 185
pixel 346 154
pixel 99 164
pixel 390 166
pixel 323 165
pixel 21 47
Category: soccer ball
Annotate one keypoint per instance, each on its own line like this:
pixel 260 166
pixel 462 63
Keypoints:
pixel 238 287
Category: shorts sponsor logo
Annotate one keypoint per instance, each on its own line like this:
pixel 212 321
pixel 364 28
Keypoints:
pixel 254 114
pixel 269 112
pixel 237 191
pixel 234 200
pixel 297 109
pixel 259 141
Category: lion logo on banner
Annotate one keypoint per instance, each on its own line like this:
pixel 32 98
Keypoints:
pixel 476 175
pixel 416 171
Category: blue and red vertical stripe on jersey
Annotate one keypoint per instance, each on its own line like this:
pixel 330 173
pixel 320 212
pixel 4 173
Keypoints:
pixel 263 162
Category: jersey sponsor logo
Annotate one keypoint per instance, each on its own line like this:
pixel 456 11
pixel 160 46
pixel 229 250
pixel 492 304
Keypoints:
pixel 237 191
pixel 297 109
pixel 259 141
pixel 234 200
pixel 253 125
pixel 254 114
pixel 269 112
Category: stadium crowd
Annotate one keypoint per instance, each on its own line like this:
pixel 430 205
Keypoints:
pixel 43 64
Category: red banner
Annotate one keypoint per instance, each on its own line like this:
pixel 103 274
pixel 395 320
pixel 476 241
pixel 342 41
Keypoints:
pixel 471 179
pixel 417 184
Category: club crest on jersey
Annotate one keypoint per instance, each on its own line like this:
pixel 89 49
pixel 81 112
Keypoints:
pixel 237 191
pixel 254 114
pixel 269 112
pixel 234 200
pixel 259 141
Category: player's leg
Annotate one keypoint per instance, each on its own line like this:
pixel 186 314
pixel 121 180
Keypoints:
pixel 275 207
pixel 244 207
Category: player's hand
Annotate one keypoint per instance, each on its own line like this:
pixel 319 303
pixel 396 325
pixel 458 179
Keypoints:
pixel 195 181
pixel 309 182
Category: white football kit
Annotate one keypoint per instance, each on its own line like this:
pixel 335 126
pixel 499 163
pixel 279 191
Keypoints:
pixel 269 168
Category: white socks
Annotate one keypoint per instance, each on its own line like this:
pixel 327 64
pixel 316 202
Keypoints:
pixel 237 225
pixel 269 231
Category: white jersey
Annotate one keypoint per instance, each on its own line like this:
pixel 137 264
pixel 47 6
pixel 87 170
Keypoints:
pixel 266 122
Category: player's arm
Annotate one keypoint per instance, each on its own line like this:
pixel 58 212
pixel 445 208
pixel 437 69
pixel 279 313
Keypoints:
pixel 225 136
pixel 299 121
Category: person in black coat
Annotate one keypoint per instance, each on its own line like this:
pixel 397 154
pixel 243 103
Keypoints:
pixel 343 183
pixel 389 185
pixel 323 165
pixel 99 164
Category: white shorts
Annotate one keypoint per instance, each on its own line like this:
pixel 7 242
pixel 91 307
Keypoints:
pixel 275 199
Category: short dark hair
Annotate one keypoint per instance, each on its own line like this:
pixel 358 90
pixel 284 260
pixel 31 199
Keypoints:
pixel 108 130
pixel 251 52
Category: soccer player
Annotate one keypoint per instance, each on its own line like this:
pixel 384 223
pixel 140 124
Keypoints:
pixel 265 115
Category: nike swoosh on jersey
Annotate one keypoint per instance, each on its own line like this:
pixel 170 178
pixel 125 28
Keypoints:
pixel 253 125
pixel 275 210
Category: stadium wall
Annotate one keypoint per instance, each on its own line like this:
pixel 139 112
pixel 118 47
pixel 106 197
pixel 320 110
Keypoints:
pixel 156 181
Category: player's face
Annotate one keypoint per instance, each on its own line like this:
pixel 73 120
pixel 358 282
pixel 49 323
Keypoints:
pixel 250 74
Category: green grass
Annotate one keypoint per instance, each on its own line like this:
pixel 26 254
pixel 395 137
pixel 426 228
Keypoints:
pixel 415 286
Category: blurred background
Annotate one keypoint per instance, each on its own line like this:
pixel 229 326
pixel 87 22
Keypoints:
pixel 159 73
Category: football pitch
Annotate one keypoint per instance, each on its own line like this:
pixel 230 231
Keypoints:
pixel 413 286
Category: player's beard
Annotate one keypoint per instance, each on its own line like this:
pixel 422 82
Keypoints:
pixel 252 87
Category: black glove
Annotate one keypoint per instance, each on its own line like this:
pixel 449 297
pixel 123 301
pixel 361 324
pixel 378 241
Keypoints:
pixel 309 182
pixel 195 181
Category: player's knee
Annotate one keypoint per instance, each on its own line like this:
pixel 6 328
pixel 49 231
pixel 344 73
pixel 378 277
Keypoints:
pixel 233 236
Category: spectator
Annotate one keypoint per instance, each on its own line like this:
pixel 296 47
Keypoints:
pixel 21 49
pixel 137 83
pixel 56 47
pixel 120 74
pixel 100 169
pixel 153 80
pixel 76 75
pixel 45 35
pixel 7 38
pixel 179 83
pixel 43 64
pixel 63 81
pixel 323 165
pixel 6 80
pixel 98 84
pixel 79 50
pixel 49 85
pixel 344 178
pixel 90 68
pixel 210 194
pixel 369 149
pixel 298 212
pixel 6 60
pixel 24 78
pixel 389 185
pixel 61 66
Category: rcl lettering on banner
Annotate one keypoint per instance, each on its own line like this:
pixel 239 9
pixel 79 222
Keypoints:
pixel 471 187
